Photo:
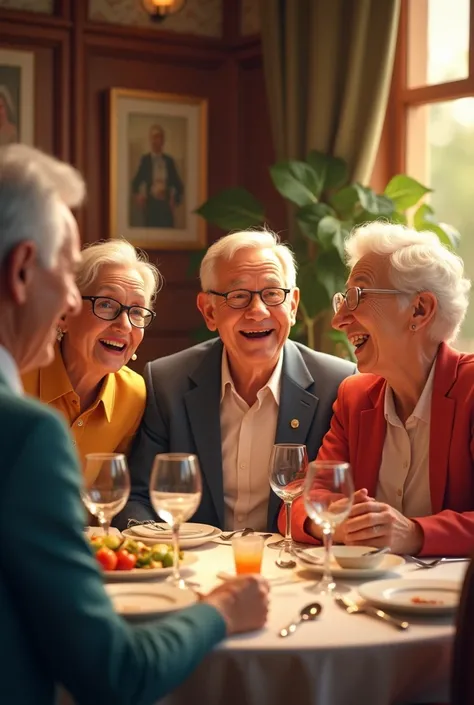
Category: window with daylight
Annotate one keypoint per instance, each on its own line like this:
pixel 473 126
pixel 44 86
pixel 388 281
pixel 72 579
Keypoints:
pixel 434 94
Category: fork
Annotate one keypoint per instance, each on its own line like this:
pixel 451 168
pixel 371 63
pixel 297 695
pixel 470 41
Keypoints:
pixel 436 561
pixel 227 537
pixel 352 607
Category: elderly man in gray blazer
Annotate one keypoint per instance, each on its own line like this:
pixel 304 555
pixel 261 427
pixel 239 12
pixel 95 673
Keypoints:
pixel 230 399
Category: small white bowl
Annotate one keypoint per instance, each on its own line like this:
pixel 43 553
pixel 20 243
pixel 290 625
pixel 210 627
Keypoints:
pixel 351 557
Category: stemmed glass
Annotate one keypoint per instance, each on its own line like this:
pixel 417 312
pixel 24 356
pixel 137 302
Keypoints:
pixel 175 493
pixel 287 470
pixel 106 486
pixel 328 497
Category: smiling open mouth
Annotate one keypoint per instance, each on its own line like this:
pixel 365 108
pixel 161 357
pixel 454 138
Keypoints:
pixel 251 334
pixel 359 340
pixel 112 345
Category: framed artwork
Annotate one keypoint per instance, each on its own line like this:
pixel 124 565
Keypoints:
pixel 16 97
pixel 158 169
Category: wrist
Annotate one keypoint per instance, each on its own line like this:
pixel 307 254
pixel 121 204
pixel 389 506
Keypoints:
pixel 415 539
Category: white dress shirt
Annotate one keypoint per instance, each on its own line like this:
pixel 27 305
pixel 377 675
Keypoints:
pixel 248 435
pixel 404 479
pixel 10 371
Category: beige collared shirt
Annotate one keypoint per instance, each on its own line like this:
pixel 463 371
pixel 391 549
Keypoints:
pixel 248 435
pixel 404 480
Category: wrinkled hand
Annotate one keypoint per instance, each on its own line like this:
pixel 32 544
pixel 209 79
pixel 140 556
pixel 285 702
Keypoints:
pixel 243 603
pixel 372 523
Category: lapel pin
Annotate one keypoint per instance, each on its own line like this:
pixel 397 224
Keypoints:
pixel 294 423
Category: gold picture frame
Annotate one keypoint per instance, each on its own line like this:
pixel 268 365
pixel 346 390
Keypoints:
pixel 157 169
pixel 17 97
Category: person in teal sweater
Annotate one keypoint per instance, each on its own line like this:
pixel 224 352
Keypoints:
pixel 57 624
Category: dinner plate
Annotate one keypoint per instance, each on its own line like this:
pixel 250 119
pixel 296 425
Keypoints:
pixel 186 530
pixel 149 601
pixel 399 595
pixel 390 562
pixel 126 576
pixel 184 541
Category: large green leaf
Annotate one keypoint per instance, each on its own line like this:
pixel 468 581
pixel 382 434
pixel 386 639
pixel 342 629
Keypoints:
pixel 398 218
pixel 380 206
pixel 332 233
pixel 232 209
pixel 425 219
pixel 345 202
pixel 331 271
pixel 314 296
pixel 332 171
pixel 405 192
pixel 309 217
pixel 296 181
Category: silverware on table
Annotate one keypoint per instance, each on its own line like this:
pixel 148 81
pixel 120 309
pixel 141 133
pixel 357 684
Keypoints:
pixel 352 607
pixel 228 536
pixel 434 562
pixel 307 614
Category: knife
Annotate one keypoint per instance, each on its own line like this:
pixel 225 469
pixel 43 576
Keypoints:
pixel 352 607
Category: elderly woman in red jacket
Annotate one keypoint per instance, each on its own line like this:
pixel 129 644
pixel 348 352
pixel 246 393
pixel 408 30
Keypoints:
pixel 407 424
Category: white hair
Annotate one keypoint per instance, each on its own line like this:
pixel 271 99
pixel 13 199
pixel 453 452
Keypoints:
pixel 34 188
pixel 419 262
pixel 119 253
pixel 227 246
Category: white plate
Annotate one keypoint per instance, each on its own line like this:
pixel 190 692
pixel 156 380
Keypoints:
pixel 148 601
pixel 398 595
pixel 390 562
pixel 126 576
pixel 187 530
pixel 184 541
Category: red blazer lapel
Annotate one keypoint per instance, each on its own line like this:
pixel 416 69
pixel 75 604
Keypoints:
pixel 441 423
pixel 372 430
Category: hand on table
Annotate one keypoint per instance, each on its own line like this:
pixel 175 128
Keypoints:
pixel 242 602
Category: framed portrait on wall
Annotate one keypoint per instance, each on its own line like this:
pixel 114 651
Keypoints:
pixel 158 168
pixel 16 97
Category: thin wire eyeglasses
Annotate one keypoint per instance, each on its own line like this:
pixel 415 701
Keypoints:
pixel 109 309
pixel 353 296
pixel 241 298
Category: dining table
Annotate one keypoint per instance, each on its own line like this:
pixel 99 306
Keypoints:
pixel 337 659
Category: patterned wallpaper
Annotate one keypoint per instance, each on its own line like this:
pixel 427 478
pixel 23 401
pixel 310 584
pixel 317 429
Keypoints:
pixel 250 17
pixel 45 6
pixel 202 17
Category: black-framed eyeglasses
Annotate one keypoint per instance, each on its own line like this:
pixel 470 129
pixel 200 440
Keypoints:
pixel 109 309
pixel 241 298
pixel 354 294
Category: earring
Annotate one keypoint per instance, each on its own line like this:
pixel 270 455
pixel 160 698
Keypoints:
pixel 134 357
pixel 59 334
pixel 413 327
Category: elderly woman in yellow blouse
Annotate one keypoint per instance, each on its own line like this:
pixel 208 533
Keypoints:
pixel 88 381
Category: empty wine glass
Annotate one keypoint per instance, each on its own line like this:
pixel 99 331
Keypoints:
pixel 106 486
pixel 287 471
pixel 328 497
pixel 175 493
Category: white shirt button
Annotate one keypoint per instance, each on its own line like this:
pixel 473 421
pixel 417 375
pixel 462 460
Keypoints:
pixel 80 422
pixel 242 466
pixel 240 517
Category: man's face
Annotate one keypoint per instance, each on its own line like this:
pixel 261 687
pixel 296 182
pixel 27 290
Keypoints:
pixel 253 335
pixel 52 293
pixel 157 139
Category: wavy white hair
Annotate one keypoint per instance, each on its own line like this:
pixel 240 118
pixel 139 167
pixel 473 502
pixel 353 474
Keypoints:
pixel 118 253
pixel 34 188
pixel 419 262
pixel 227 246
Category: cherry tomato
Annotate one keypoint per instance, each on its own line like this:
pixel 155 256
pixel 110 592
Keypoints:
pixel 125 560
pixel 107 558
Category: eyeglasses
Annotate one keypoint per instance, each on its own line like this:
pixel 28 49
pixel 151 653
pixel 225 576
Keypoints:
pixel 241 298
pixel 109 309
pixel 353 296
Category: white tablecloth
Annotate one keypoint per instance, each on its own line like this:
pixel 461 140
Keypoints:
pixel 339 659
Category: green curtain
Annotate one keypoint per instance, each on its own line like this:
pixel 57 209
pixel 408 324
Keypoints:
pixel 328 67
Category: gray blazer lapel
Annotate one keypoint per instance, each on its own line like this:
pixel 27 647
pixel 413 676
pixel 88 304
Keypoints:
pixel 297 408
pixel 203 405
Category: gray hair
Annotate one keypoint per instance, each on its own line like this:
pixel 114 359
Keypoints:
pixel 34 188
pixel 419 262
pixel 119 253
pixel 226 247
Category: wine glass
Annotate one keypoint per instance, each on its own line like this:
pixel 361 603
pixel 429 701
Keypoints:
pixel 175 493
pixel 106 486
pixel 328 497
pixel 287 470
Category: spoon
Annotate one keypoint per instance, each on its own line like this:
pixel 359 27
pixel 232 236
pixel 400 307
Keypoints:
pixel 307 614
pixel 281 563
pixel 376 551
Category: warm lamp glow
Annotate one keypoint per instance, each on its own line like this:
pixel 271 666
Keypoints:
pixel 160 9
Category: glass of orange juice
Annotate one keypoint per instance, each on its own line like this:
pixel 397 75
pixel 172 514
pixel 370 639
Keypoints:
pixel 248 552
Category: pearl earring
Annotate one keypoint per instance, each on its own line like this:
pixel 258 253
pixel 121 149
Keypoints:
pixel 59 334
pixel 413 327
pixel 134 357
